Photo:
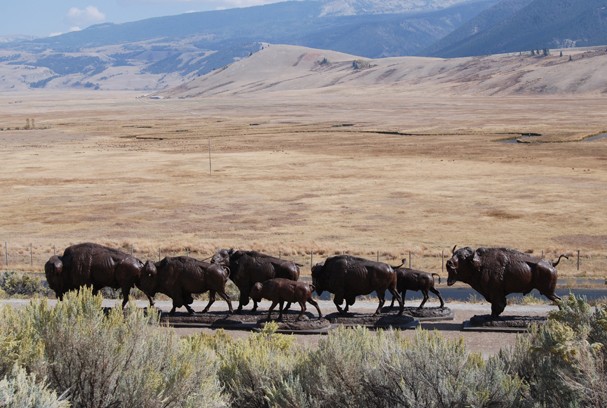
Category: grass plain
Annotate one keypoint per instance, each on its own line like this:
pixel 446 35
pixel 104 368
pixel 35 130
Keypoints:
pixel 376 172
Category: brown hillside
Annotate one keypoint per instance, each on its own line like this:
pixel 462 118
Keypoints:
pixel 291 68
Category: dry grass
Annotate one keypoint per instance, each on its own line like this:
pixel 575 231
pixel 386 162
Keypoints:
pixel 299 172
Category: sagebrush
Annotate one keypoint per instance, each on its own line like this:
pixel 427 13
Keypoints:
pixel 79 353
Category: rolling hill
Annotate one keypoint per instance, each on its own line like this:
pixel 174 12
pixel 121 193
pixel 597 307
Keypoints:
pixel 284 68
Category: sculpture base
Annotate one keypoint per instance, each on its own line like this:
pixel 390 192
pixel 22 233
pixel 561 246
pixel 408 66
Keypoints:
pixel 381 321
pixel 248 320
pixel 425 314
pixel 503 323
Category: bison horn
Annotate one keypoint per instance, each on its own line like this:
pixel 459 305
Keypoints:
pixel 453 250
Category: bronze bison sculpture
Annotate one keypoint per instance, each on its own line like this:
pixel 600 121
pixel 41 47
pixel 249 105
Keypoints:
pixel 347 277
pixel 280 290
pixel 182 276
pixel 497 272
pixel 93 265
pixel 249 267
pixel 412 279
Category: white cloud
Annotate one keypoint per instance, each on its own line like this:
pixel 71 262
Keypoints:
pixel 82 17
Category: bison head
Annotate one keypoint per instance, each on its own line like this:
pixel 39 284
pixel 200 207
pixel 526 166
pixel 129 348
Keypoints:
pixel 459 265
pixel 53 269
pixel 318 278
pixel 256 292
pixel 149 278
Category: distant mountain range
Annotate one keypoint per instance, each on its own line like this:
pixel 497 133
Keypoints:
pixel 523 25
pixel 162 52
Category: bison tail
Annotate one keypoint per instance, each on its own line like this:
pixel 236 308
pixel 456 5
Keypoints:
pixel 437 275
pixel 559 260
pixel 402 263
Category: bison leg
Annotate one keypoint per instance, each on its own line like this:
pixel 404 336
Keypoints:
pixel 303 309
pixel 243 301
pixel 281 307
pixel 172 312
pixel 225 297
pixel 382 300
pixel 436 292
pixel 556 299
pixel 211 301
pixel 287 306
pixel 254 305
pixel 424 300
pixel 125 296
pixel 274 303
pixel 497 307
pixel 151 300
pixel 338 300
pixel 401 301
pixel 190 310
pixel 313 303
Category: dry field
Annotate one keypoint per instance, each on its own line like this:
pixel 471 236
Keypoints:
pixel 299 172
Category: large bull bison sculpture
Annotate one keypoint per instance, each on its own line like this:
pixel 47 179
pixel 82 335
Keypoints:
pixel 497 272
pixel 280 290
pixel 249 267
pixel 412 279
pixel 94 265
pixel 180 277
pixel 347 277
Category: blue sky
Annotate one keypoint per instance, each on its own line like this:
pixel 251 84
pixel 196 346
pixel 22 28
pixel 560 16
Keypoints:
pixel 42 18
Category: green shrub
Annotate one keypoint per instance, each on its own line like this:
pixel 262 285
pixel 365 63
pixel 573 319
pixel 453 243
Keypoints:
pixel 14 284
pixel 250 368
pixel 564 361
pixel 21 390
pixel 355 367
pixel 122 358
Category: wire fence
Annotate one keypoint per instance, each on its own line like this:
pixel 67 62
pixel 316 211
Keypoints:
pixel 30 258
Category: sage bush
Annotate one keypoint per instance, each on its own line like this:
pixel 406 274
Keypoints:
pixel 356 367
pixel 252 367
pixel 564 361
pixel 95 357
pixel 108 359
pixel 22 390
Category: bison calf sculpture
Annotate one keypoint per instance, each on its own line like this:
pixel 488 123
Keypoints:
pixel 180 277
pixel 496 272
pixel 280 290
pixel 94 265
pixel 411 279
pixel 249 267
pixel 347 277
